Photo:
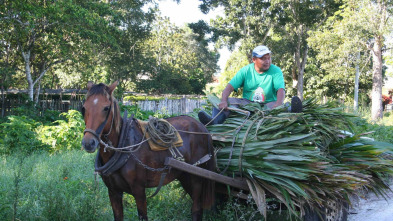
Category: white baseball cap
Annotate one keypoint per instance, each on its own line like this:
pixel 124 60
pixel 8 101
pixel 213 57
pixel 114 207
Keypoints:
pixel 260 51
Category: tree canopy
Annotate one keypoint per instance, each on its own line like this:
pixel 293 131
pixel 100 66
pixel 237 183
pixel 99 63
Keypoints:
pixel 319 45
pixel 326 48
pixel 60 44
pixel 180 62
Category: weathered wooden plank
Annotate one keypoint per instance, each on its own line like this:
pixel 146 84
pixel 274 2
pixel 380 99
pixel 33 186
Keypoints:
pixel 238 183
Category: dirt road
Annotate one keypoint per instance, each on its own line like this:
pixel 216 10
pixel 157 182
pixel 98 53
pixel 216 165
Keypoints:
pixel 372 208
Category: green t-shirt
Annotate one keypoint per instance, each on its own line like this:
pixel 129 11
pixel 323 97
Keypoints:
pixel 259 87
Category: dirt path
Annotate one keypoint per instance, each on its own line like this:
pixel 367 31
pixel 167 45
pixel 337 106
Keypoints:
pixel 372 209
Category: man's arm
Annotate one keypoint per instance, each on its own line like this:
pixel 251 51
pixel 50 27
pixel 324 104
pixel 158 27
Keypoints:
pixel 280 99
pixel 224 97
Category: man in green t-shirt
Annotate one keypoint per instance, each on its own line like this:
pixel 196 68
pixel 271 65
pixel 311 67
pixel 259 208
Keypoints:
pixel 262 82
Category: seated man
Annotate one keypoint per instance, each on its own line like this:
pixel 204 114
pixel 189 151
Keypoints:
pixel 261 80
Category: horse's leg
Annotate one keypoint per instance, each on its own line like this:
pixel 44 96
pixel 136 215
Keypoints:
pixel 193 186
pixel 116 199
pixel 140 199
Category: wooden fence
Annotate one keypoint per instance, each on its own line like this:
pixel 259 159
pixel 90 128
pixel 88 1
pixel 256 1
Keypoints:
pixel 166 106
pixel 11 105
pixel 170 106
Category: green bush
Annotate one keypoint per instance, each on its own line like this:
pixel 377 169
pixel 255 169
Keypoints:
pixel 378 132
pixel 140 114
pixel 30 110
pixel 136 98
pixel 382 130
pixel 17 134
pixel 63 134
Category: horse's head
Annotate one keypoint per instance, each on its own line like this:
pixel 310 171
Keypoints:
pixel 98 112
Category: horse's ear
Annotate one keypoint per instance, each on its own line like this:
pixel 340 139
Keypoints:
pixel 89 85
pixel 113 86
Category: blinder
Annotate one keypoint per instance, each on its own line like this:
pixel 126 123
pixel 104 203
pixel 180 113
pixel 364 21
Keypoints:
pixel 83 111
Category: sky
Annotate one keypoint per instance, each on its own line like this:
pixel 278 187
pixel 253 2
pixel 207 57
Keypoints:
pixel 187 12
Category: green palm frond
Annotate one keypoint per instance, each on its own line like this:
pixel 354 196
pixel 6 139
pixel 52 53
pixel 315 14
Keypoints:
pixel 300 158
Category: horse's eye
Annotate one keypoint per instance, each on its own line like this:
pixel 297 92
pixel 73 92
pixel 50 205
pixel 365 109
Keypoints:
pixel 106 108
pixel 83 111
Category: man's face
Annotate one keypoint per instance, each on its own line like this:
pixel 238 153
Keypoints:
pixel 263 63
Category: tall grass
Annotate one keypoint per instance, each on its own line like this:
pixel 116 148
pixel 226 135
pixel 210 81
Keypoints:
pixel 62 186
pixel 51 187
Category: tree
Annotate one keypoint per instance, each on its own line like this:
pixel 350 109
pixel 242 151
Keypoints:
pixel 7 67
pixel 351 37
pixel 47 33
pixel 282 25
pixel 125 62
pixel 380 25
pixel 178 63
pixel 248 22
pixel 341 52
pixel 294 20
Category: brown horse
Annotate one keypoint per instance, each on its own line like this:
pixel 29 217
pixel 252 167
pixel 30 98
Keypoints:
pixel 143 167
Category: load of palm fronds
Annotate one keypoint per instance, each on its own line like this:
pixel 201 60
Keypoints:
pixel 301 159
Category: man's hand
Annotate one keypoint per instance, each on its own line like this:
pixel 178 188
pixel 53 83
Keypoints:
pixel 272 105
pixel 223 105
pixel 280 99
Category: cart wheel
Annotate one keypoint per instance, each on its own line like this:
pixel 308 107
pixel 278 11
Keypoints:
pixel 335 211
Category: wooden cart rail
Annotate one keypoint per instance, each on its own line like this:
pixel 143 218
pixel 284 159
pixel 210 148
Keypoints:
pixel 237 183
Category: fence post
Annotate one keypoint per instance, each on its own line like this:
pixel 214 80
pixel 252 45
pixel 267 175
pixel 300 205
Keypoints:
pixel 183 105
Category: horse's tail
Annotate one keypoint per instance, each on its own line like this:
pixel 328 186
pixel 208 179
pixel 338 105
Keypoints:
pixel 208 190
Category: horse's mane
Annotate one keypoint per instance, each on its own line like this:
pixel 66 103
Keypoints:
pixel 98 89
pixel 103 89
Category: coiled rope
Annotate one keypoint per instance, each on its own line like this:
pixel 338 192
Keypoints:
pixel 161 132
pixel 164 134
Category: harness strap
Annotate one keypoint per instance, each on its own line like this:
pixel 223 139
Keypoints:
pixel 160 184
pixel 204 159
pixel 118 159
pixel 102 125
pixel 92 132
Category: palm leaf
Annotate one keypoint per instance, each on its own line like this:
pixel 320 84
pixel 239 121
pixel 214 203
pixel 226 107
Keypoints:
pixel 300 159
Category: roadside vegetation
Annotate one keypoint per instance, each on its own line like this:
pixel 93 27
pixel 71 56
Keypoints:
pixel 334 51
pixel 46 175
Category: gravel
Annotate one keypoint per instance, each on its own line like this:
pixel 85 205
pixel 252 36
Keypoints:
pixel 372 208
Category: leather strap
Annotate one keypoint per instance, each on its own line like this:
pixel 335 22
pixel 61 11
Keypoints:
pixel 102 125
pixel 118 159
pixel 160 184
pixel 204 159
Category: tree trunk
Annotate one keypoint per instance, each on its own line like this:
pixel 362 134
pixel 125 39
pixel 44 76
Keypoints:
pixel 356 98
pixel 301 67
pixel 376 95
pixel 30 83
pixel 37 95
pixel 300 63
pixel 2 101
pixel 294 77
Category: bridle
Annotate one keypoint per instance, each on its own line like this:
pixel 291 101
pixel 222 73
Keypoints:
pixel 97 132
